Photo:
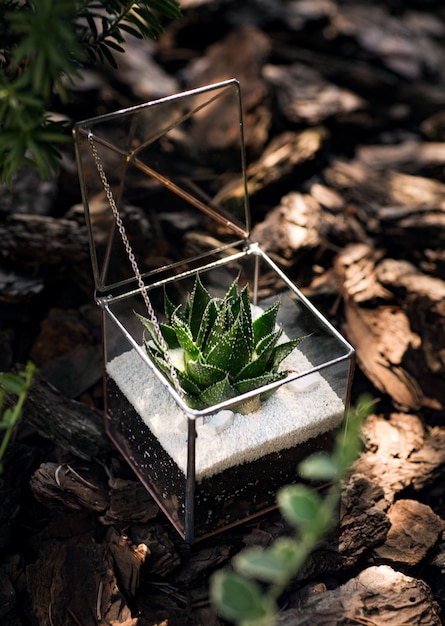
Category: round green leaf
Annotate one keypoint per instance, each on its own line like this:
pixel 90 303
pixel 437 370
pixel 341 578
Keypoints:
pixel 240 600
pixel 299 505
pixel 320 466
pixel 12 383
pixel 275 564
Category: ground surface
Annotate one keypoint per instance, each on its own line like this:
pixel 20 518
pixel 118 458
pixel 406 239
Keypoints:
pixel 343 107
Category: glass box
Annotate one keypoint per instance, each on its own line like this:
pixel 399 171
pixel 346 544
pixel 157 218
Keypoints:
pixel 165 193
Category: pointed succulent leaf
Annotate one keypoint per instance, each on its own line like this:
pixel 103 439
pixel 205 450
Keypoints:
pixel 268 342
pixel 260 363
pixel 187 385
pixel 232 297
pixel 184 336
pixel 149 326
pixel 282 350
pixel 265 323
pixel 208 321
pixel 168 333
pixel 203 374
pixel 199 300
pixel 217 351
pixel 250 384
pixel 169 307
pixel 232 351
pixel 218 329
pixel 247 312
pixel 219 392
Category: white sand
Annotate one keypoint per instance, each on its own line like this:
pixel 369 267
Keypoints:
pixel 296 412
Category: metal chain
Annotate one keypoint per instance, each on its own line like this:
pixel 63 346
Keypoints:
pixel 134 265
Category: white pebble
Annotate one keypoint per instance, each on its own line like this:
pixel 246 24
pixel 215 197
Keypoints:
pixel 220 421
pixel 305 383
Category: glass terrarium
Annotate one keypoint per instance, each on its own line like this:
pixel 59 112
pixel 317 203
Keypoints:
pixel 165 194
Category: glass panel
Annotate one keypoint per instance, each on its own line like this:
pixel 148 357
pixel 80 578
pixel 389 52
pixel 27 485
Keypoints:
pixel 178 183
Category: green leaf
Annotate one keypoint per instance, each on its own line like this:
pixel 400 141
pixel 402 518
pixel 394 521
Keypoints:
pixel 348 443
pixel 265 324
pixel 219 392
pixel 260 358
pixel 218 329
pixel 300 506
pixel 12 383
pixel 169 334
pixel 131 30
pixel 167 331
pixel 199 300
pixel 184 336
pixel 275 564
pixel 169 307
pixel 10 417
pixel 241 600
pixel 207 323
pixel 169 8
pixel 255 383
pixel 187 385
pixel 232 351
pixel 203 374
pixel 282 350
pixel 319 466
pixel 232 297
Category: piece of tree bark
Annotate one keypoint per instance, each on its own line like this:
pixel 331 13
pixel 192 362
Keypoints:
pixel 71 487
pixel 162 557
pixel 278 164
pixel 412 154
pixel 128 560
pixel 374 193
pixel 424 299
pixel 363 518
pixel 380 594
pixel 73 582
pixel 72 425
pixel 305 96
pixel 415 529
pixel 381 335
pixel 395 318
pixel 130 502
pixel 407 225
pixel 291 230
pixel 401 452
pixel 241 54
pixel 362 524
pixel 201 563
pixel 42 240
pixel 19 285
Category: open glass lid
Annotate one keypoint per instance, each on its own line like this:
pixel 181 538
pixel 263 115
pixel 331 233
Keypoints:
pixel 171 172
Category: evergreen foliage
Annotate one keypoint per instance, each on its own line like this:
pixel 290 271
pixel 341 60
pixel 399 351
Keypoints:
pixel 41 43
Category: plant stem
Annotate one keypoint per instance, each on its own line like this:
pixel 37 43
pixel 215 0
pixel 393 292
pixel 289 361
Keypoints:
pixel 17 410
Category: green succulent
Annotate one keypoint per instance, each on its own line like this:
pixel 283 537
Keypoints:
pixel 217 349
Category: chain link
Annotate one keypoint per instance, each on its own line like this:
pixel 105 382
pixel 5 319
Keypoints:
pixel 132 259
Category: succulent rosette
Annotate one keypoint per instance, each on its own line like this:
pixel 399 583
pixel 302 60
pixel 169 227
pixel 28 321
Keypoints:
pixel 217 350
